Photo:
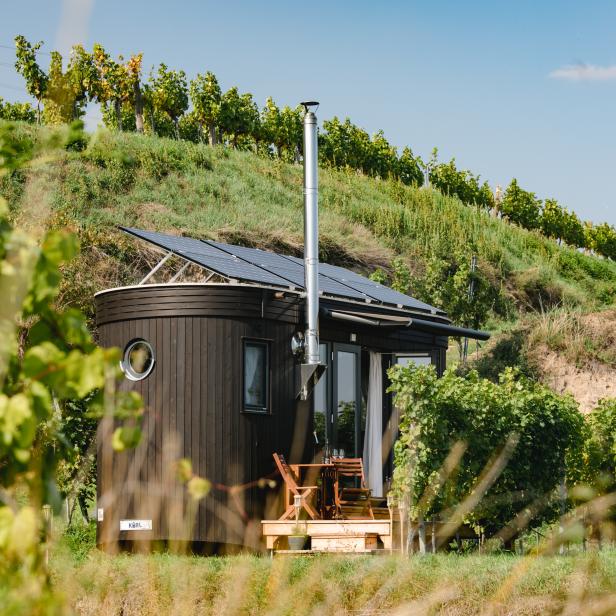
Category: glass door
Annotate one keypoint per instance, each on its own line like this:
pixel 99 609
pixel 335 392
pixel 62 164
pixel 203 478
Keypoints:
pixel 339 421
pixel 346 394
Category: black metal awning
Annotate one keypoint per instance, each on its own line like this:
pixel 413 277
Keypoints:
pixel 385 320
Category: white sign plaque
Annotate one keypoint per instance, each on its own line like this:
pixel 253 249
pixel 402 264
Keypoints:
pixel 135 524
pixel 100 514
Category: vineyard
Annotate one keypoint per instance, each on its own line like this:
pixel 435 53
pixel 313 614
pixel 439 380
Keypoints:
pixel 490 441
pixel 168 104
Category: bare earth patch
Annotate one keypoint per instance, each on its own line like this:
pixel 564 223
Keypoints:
pixel 586 384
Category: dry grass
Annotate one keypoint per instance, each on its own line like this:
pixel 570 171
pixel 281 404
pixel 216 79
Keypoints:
pixel 442 584
pixel 583 339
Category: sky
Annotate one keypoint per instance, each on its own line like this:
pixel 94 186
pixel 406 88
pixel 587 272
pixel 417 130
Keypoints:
pixel 523 89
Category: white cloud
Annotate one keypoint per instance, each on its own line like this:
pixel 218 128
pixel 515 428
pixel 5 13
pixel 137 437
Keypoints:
pixel 585 72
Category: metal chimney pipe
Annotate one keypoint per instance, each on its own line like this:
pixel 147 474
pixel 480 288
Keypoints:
pixel 311 234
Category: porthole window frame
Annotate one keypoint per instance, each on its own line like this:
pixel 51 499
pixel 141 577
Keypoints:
pixel 127 369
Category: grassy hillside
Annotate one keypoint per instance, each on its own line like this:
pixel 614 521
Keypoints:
pixel 184 188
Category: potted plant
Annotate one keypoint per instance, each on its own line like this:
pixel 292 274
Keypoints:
pixel 297 538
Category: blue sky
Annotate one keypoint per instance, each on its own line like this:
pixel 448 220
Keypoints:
pixel 524 89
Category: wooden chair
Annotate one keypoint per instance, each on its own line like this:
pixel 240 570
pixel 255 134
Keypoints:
pixel 352 500
pixel 304 492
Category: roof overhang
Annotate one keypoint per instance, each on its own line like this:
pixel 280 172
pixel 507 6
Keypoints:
pixel 398 321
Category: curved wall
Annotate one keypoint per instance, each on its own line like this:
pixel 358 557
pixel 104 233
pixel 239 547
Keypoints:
pixel 193 400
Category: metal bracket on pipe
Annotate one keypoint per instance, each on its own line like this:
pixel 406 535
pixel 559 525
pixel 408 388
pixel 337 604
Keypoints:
pixel 157 267
pixel 310 375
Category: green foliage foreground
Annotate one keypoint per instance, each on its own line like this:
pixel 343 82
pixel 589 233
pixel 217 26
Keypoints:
pixel 47 361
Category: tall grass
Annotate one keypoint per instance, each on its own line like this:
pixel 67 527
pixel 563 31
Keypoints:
pixel 437 584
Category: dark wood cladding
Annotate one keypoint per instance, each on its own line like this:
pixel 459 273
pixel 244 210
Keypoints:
pixel 195 300
pixel 193 400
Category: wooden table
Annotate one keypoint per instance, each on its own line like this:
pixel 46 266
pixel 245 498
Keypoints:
pixel 323 471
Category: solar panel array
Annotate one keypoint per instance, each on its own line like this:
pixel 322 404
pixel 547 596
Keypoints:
pixel 210 257
pixel 268 268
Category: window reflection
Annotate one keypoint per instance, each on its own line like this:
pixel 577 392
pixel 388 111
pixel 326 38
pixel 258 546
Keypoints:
pixel 255 376
pixel 346 405
pixel 320 400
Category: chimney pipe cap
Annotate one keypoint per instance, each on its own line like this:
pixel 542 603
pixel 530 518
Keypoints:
pixel 308 104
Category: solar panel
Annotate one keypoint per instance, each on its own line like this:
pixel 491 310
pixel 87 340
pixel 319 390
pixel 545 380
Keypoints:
pixel 373 289
pixel 175 243
pixel 290 268
pixel 264 267
pixel 235 268
pixel 369 288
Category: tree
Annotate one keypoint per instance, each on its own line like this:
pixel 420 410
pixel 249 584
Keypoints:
pixel 553 219
pixel 346 145
pixel 65 96
pixel 27 66
pixel 21 112
pixel 169 92
pixel 291 132
pixel 111 85
pixel 602 239
pixel 271 125
pixel 573 233
pixel 382 157
pixel 521 207
pixel 446 283
pixel 450 180
pixel 600 471
pixel 206 96
pixel 238 115
pixel 409 168
pixel 133 74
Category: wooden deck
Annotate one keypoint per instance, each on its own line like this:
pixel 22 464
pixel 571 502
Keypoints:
pixel 350 536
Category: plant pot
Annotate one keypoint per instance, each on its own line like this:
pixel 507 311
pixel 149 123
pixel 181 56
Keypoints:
pixel 297 542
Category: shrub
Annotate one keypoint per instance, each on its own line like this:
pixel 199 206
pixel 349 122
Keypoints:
pixel 80 538
pixel 601 446
pixel 537 431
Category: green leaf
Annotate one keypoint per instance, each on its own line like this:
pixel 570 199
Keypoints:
pixel 127 437
pixel 184 469
pixel 198 487
pixel 41 359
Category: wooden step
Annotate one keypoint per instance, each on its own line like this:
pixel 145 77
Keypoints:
pixel 357 542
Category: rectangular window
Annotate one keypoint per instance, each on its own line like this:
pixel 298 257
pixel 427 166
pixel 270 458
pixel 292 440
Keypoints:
pixel 256 376
pixel 422 359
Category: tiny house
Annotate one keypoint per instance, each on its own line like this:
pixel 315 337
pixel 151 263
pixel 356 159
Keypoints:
pixel 265 353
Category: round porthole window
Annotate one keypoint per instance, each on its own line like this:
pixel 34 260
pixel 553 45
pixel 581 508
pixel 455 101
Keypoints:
pixel 138 360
